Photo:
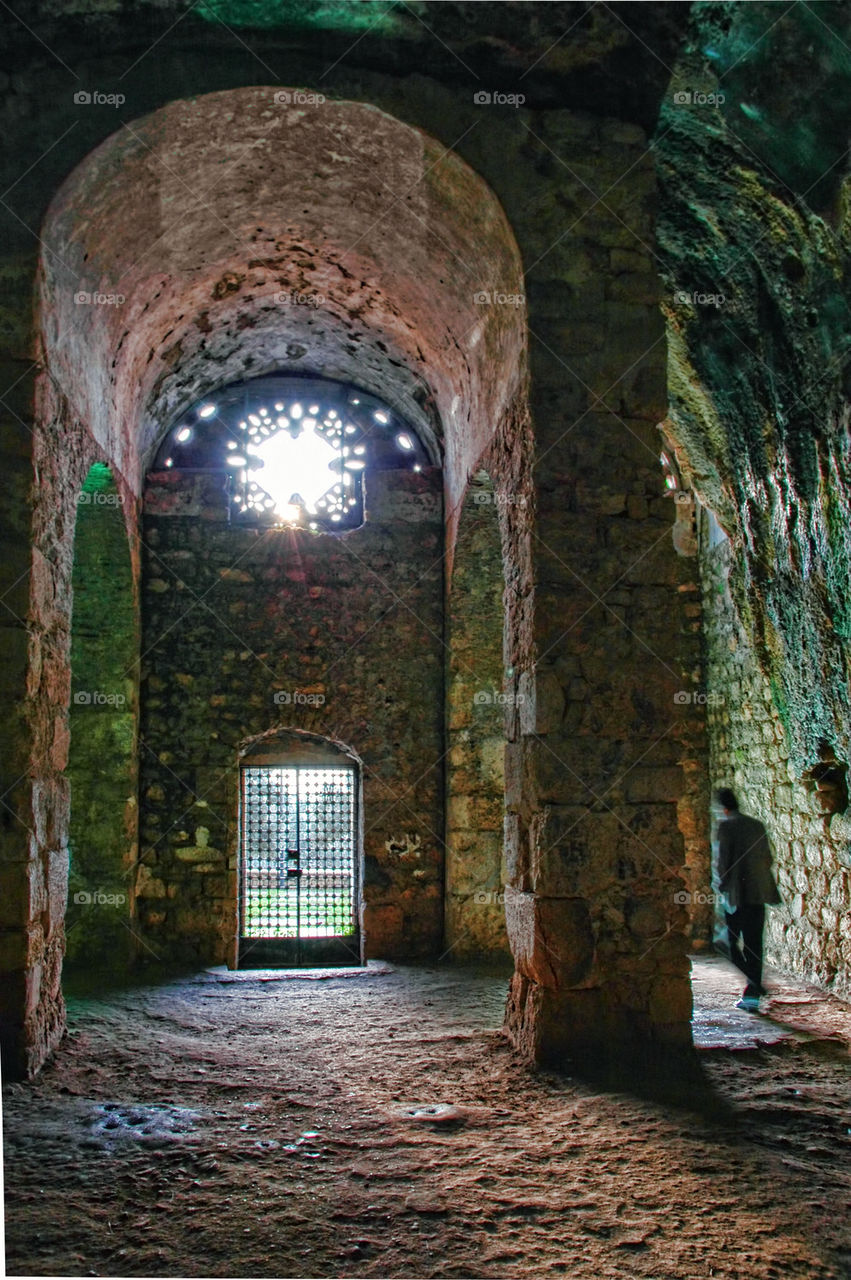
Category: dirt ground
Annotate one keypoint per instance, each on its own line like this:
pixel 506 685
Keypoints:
pixel 377 1124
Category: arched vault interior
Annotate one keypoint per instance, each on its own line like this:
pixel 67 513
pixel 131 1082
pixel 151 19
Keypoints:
pixel 243 239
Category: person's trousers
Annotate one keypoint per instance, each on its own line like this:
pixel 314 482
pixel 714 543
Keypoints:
pixel 747 923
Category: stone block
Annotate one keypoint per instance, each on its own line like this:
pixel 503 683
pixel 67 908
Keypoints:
pixel 51 804
pixel 570 853
pixel 32 988
pixel 671 1001
pixel 475 926
pixel 383 926
pixel 552 940
pixel 599 1025
pixel 148 885
pixel 647 919
pixel 657 785
pixel 515 851
pixel 20 948
pixel 23 894
pixel 514 774
pixel 200 853
pixel 540 701
pixel 458 817
pixel 561 772
pixel 474 865
pixel 56 890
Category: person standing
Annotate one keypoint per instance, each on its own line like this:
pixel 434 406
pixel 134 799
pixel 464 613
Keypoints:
pixel 747 882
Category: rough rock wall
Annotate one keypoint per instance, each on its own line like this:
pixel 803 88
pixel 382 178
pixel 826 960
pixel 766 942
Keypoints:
pixel 757 310
pixel 245 631
pixel 36 747
pixel 753 238
pixel 810 932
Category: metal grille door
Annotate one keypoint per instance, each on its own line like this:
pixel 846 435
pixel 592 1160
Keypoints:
pixel 299 866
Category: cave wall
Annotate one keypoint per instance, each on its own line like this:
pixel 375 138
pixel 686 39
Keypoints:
pixel 754 254
pixel 753 244
pixel 809 933
pixel 247 630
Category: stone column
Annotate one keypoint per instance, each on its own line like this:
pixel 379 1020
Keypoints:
pixel 594 760
pixel 35 640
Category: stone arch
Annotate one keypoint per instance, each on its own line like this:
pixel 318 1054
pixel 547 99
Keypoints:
pixel 370 268
pixel 389 263
pixel 294 743
pixel 199 261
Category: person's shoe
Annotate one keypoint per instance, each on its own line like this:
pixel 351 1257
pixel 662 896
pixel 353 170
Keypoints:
pixel 750 1003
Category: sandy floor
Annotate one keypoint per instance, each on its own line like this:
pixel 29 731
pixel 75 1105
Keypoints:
pixel 378 1125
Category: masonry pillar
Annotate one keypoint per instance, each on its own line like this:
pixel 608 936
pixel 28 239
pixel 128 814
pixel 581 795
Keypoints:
pixel 36 562
pixel 597 744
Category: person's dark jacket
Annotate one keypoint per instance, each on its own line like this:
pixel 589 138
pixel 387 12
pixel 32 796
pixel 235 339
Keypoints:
pixel 744 862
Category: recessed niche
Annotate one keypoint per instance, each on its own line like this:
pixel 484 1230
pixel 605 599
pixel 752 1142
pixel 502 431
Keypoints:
pixel 828 780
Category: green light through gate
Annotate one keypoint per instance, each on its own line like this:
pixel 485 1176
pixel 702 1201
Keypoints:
pixel 298 849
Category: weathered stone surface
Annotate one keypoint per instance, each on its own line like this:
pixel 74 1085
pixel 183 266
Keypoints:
pixel 542 706
pixel 551 939
pixel 338 637
pixel 399 315
pixel 102 721
pixel 751 751
pixel 478 704
pixel 757 300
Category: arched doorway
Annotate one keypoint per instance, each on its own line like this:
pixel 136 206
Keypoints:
pixel 163 298
pixel 390 264
pixel 300 854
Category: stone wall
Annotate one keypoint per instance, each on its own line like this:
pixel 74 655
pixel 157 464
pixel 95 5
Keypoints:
pixel 810 932
pixel 753 239
pixel 476 701
pixel 247 630
pixel 753 243
pixel 102 763
pixel 566 178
